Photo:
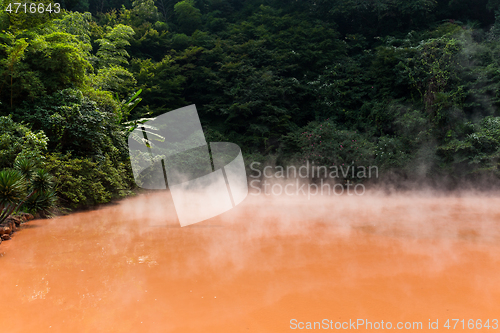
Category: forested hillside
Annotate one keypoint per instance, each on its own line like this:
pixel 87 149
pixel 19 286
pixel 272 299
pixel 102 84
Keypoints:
pixel 411 86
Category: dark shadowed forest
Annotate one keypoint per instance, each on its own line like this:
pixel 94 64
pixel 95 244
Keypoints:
pixel 411 86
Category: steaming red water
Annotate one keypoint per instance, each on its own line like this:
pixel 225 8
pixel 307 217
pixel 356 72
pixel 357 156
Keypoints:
pixel 130 267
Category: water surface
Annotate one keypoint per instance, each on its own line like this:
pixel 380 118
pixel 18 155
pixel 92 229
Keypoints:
pixel 129 267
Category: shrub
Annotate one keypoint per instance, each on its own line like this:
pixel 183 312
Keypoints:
pixel 83 182
pixel 18 141
pixel 12 191
pixel 73 122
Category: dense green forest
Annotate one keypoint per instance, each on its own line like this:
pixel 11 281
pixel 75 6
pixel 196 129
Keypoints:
pixel 411 86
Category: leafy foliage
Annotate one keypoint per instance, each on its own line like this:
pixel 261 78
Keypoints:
pixel 409 86
pixel 112 50
pixel 188 16
pixel 12 191
pixel 17 142
pixel 82 182
pixel 73 123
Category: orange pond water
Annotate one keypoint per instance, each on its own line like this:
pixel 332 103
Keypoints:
pixel 129 267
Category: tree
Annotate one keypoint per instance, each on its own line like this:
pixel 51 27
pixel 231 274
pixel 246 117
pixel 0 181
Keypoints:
pixel 15 53
pixel 188 16
pixel 61 59
pixel 112 50
pixel 161 83
pixel 166 8
pixel 114 79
